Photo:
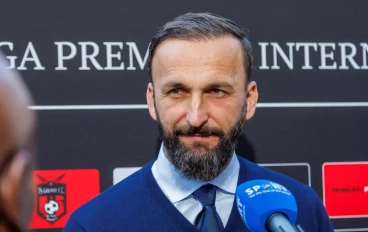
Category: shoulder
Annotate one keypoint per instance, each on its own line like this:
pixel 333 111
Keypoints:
pixel 255 171
pixel 116 201
pixel 311 212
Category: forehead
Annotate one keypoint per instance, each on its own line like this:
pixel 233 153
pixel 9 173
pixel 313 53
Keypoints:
pixel 223 54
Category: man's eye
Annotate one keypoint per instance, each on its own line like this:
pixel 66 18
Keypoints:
pixel 176 91
pixel 218 92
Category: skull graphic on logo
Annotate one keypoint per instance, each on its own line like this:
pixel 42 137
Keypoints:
pixel 51 207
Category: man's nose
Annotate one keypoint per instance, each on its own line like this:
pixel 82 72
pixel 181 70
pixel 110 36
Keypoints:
pixel 197 114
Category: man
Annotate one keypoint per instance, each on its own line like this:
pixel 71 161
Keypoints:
pixel 17 124
pixel 200 93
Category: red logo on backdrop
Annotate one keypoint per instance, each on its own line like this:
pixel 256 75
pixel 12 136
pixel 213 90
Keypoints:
pixel 59 192
pixel 51 198
pixel 345 189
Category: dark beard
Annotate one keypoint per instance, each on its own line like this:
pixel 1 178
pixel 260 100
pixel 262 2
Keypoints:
pixel 200 162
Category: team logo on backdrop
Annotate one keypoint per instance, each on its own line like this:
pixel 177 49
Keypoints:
pixel 345 189
pixel 51 198
pixel 59 192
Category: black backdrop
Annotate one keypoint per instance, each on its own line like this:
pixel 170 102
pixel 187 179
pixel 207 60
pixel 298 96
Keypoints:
pixel 327 123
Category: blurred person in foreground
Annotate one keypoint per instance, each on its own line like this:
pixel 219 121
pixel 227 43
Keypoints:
pixel 17 125
pixel 200 93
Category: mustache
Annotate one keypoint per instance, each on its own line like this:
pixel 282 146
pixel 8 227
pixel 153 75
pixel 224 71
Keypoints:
pixel 202 131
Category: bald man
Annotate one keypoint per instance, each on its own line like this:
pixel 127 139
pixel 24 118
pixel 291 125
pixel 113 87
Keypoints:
pixel 17 124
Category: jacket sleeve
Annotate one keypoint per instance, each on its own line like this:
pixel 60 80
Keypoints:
pixel 72 225
pixel 323 221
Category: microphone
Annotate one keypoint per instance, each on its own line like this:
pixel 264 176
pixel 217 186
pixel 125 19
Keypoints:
pixel 267 206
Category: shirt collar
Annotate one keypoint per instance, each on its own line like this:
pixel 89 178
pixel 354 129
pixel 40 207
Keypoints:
pixel 177 188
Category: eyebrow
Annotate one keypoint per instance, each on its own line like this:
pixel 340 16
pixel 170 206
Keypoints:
pixel 173 84
pixel 214 85
pixel 220 84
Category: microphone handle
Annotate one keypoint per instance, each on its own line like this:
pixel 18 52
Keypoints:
pixel 278 222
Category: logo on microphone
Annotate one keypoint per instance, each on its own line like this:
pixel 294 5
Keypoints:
pixel 266 188
pixel 240 207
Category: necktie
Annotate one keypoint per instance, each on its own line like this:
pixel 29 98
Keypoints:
pixel 208 219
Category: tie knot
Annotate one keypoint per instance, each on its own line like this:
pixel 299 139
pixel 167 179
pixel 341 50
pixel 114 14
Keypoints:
pixel 206 194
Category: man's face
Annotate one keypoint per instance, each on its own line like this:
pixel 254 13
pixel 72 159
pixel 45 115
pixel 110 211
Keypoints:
pixel 200 100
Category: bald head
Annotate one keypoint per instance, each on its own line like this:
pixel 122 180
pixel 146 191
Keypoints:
pixel 16 121
pixel 17 124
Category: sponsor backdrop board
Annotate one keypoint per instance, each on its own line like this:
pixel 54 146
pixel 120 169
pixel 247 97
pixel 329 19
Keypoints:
pixel 345 189
pixel 85 63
